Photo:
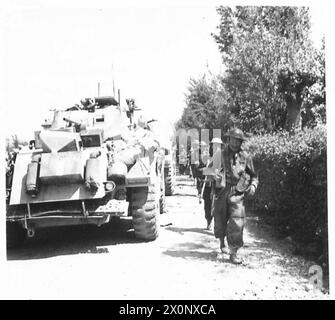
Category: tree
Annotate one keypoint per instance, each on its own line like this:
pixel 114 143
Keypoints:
pixel 14 143
pixel 314 103
pixel 206 105
pixel 270 64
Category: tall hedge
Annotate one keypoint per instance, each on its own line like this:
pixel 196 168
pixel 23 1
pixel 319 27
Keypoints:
pixel 292 191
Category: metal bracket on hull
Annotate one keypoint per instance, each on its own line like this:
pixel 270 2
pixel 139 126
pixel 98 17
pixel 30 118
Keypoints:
pixel 28 210
pixel 25 216
pixel 85 212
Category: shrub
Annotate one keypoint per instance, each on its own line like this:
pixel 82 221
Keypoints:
pixel 292 191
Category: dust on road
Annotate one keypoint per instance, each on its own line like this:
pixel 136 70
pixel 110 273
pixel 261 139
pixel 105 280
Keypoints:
pixel 183 263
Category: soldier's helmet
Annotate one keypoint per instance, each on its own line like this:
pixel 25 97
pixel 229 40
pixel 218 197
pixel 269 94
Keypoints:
pixel 216 140
pixel 236 133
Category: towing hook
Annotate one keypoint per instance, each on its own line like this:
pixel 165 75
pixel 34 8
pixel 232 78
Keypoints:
pixel 30 233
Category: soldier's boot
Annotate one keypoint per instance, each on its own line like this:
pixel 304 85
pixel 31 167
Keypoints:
pixel 235 259
pixel 223 247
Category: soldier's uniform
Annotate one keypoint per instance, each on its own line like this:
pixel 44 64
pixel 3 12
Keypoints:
pixel 203 179
pixel 238 175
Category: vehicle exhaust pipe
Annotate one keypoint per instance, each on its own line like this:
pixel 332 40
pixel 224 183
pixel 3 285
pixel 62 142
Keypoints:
pixel 30 233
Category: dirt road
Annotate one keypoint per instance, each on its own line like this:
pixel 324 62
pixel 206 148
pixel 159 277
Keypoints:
pixel 183 263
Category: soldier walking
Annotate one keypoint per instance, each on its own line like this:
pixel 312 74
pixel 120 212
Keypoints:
pixel 207 185
pixel 236 178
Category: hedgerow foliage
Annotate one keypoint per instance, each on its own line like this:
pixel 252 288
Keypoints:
pixel 293 181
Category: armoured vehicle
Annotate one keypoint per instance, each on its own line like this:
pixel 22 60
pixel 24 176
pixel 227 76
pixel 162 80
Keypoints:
pixel 169 172
pixel 89 163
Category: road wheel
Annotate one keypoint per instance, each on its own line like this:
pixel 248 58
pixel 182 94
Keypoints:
pixel 162 203
pixel 144 206
pixel 169 180
pixel 15 234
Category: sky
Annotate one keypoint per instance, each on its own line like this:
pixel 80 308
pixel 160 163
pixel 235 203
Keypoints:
pixel 53 56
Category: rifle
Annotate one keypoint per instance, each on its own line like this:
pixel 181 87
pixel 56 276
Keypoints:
pixel 211 173
pixel 202 190
pixel 212 197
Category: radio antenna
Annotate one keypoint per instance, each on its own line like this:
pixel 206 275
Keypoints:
pixel 113 80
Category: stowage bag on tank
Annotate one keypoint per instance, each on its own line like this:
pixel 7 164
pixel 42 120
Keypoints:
pixel 117 172
pixel 128 156
pixel 106 101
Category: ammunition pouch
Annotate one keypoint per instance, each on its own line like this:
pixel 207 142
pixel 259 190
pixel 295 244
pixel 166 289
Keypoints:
pixel 220 182
pixel 243 183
